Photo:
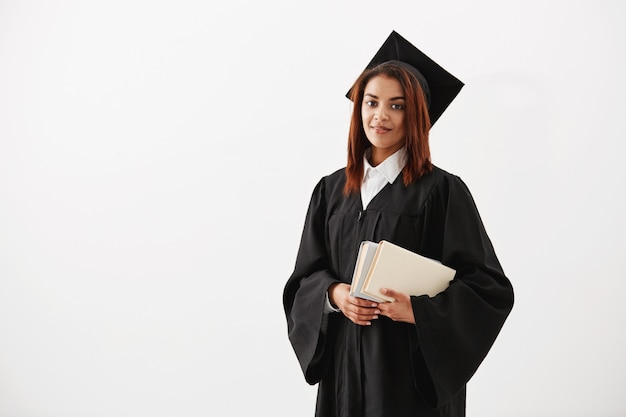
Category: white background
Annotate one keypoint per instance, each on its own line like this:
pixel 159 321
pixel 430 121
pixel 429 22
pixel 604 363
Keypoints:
pixel 156 162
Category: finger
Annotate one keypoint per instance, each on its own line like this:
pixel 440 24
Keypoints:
pixel 368 308
pixel 362 322
pixel 390 308
pixel 363 302
pixel 390 293
pixel 362 318
pixel 365 311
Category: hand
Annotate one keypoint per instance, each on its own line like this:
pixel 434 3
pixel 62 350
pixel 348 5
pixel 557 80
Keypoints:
pixel 399 310
pixel 358 310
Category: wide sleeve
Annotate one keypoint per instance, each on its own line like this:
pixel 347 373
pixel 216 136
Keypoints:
pixel 457 328
pixel 304 295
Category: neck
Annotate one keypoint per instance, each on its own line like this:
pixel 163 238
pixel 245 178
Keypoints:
pixel 377 155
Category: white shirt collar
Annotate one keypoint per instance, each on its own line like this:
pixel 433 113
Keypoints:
pixel 390 168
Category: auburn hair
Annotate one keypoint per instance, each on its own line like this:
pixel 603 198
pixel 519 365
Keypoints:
pixel 416 126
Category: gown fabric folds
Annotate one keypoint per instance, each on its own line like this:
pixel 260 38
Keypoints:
pixel 391 368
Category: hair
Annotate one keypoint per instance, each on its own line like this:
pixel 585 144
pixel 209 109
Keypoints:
pixel 416 126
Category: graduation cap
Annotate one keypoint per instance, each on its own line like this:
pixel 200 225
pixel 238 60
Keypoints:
pixel 441 86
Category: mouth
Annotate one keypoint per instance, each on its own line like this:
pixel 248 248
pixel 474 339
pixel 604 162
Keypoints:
pixel 380 129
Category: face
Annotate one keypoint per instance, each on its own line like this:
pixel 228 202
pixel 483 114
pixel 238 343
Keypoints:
pixel 382 112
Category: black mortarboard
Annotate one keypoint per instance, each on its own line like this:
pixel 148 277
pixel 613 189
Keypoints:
pixel 443 86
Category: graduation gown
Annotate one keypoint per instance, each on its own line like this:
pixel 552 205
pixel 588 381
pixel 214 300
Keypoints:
pixel 391 368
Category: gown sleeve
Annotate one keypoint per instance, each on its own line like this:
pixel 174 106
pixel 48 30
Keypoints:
pixel 304 295
pixel 456 328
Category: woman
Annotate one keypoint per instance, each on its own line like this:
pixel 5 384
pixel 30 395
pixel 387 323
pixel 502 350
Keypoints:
pixel 412 356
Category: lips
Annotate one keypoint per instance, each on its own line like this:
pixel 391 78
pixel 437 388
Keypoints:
pixel 380 129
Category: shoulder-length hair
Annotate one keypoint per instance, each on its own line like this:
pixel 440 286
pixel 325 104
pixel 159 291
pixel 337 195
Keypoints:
pixel 416 126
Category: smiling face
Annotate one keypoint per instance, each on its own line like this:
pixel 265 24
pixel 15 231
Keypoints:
pixel 382 113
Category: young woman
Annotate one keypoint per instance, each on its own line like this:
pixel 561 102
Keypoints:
pixel 412 356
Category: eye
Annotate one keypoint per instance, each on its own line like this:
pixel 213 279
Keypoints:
pixel 371 103
pixel 397 106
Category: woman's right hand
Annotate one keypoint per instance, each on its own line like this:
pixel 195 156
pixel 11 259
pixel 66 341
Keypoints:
pixel 357 310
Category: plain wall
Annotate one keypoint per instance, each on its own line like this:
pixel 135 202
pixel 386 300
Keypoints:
pixel 156 162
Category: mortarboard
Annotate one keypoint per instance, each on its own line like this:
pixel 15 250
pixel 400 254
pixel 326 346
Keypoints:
pixel 442 85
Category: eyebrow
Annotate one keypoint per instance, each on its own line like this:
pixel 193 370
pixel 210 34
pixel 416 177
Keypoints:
pixel 391 99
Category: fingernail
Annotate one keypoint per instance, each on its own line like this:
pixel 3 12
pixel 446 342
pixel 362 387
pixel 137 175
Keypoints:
pixel 376 311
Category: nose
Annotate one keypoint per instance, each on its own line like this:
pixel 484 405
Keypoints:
pixel 381 114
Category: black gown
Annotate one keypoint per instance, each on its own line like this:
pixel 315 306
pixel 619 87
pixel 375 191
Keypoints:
pixel 390 368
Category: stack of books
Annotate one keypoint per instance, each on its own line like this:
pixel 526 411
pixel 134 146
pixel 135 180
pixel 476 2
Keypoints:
pixel 386 265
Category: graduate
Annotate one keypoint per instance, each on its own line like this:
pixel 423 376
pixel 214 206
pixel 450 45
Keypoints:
pixel 412 356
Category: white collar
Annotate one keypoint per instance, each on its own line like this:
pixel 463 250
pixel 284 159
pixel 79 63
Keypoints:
pixel 390 168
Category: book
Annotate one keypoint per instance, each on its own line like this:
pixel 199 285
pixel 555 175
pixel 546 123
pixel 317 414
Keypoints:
pixel 364 258
pixel 387 265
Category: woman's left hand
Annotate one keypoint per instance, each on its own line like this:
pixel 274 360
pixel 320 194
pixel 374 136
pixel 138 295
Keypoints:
pixel 399 310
